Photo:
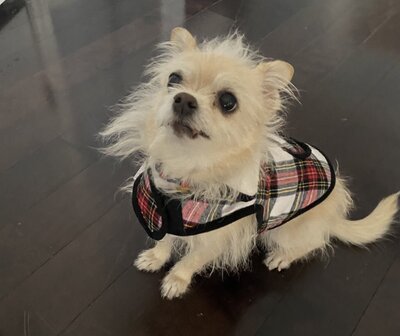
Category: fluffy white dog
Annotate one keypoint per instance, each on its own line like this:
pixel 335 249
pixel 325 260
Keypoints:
pixel 217 176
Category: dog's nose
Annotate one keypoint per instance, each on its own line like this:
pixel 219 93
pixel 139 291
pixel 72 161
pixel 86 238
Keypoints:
pixel 184 104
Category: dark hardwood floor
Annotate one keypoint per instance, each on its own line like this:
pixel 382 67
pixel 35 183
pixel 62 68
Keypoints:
pixel 67 240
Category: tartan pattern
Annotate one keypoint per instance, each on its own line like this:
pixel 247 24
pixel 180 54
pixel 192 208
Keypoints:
pixel 289 183
pixel 195 212
pixel 147 204
pixel 289 187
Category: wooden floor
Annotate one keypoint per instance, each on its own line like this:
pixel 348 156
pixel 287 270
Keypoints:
pixel 67 240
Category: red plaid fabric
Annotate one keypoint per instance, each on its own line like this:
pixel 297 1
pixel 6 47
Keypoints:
pixel 295 178
pixel 288 188
pixel 147 204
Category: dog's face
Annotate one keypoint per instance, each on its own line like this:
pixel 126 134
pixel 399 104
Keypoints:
pixel 213 100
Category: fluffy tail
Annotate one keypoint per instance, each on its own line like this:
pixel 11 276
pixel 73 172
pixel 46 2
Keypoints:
pixel 370 228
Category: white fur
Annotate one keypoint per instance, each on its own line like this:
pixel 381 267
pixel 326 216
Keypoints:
pixel 228 160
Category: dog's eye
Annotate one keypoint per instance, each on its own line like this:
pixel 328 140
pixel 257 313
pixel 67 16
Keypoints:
pixel 227 101
pixel 174 79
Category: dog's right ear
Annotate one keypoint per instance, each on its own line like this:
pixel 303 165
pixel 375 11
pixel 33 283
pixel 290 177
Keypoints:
pixel 183 39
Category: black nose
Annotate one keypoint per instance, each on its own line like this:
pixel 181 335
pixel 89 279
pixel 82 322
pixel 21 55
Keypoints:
pixel 184 104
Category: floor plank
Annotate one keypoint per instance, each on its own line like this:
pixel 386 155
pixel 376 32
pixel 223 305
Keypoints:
pixel 316 60
pixel 57 220
pixel 310 305
pixel 381 316
pixel 302 28
pixel 257 18
pixel 37 175
pixel 54 295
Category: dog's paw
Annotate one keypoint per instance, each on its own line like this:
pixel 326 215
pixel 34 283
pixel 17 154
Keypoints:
pixel 276 260
pixel 149 261
pixel 174 286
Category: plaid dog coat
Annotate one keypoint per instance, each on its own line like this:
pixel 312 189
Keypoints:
pixel 295 178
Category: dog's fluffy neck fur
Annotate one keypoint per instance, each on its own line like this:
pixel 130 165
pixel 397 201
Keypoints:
pixel 219 180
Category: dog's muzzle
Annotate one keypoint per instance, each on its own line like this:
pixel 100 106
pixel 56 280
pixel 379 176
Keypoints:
pixel 184 107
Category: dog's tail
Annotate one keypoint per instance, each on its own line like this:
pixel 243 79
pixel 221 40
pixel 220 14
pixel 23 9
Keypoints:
pixel 370 228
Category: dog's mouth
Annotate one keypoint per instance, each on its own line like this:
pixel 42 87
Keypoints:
pixel 183 129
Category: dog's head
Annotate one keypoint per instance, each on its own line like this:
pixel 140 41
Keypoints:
pixel 204 105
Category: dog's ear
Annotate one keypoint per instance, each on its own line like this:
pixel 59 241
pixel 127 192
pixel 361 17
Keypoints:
pixel 280 72
pixel 182 38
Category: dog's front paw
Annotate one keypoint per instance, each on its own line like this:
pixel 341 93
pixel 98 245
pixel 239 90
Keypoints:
pixel 149 261
pixel 174 286
pixel 277 260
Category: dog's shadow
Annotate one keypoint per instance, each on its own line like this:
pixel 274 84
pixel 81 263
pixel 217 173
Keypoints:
pixel 222 303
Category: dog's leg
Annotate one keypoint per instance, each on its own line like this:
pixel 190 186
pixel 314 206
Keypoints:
pixel 153 259
pixel 294 241
pixel 227 247
pixel 281 259
pixel 177 281
pixel 308 233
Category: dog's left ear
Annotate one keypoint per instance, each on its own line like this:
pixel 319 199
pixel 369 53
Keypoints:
pixel 183 39
pixel 278 72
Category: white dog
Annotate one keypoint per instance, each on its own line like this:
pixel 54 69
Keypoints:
pixel 217 176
